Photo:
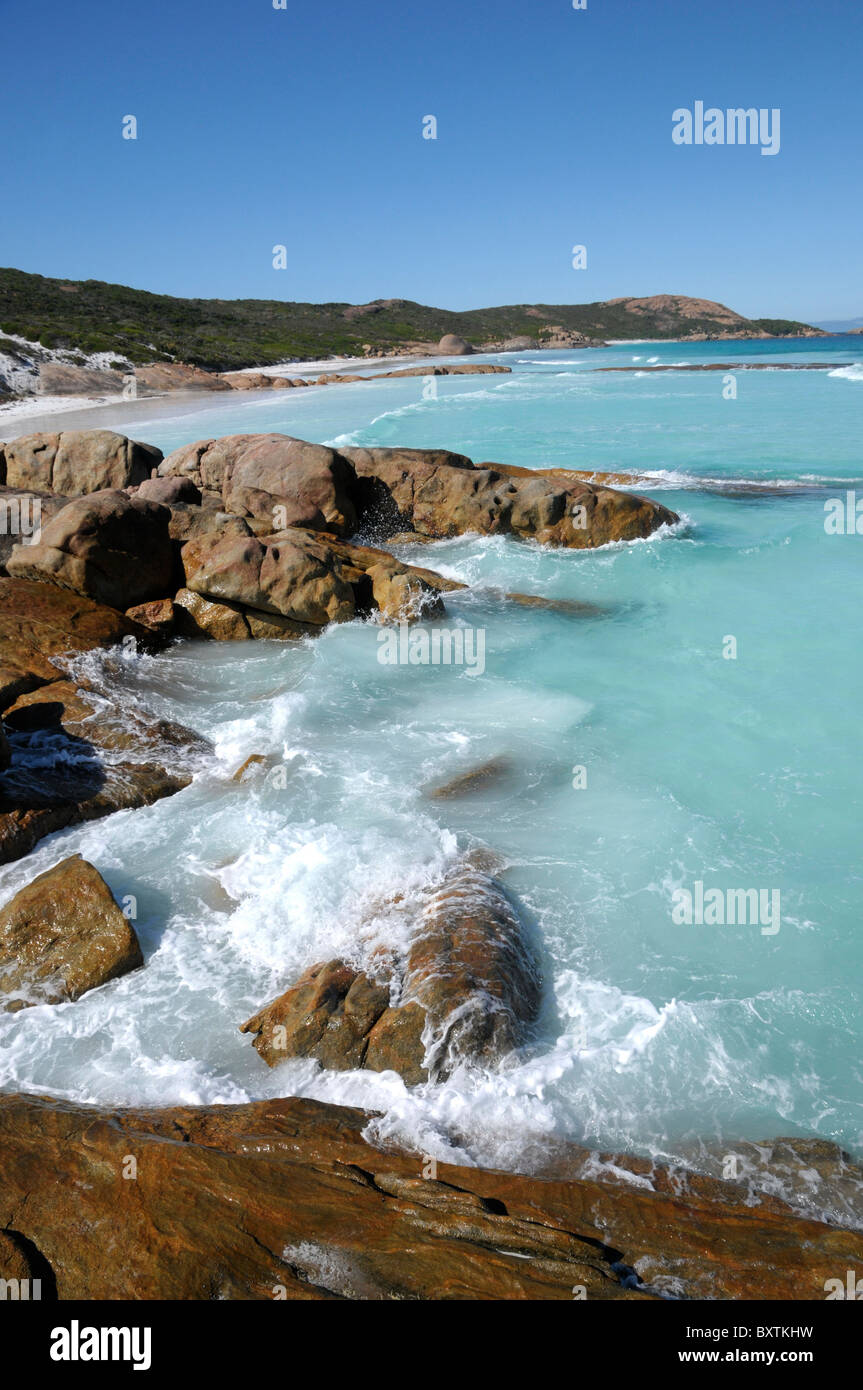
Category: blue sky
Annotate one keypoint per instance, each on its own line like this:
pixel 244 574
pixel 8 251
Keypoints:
pixel 303 127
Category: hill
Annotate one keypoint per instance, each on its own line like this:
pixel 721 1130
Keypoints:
pixel 220 334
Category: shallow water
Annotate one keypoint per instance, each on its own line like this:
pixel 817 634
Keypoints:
pixel 740 773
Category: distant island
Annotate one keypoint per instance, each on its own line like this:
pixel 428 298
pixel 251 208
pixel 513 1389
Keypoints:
pixel 90 316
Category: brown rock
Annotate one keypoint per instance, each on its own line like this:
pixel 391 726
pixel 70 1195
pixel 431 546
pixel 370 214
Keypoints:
pixel 106 546
pixel 272 476
pixel 451 345
pixel 572 607
pixel 14 1264
pixel 168 491
pixel 57 620
pixel 275 627
pixel 341 1017
pixel 471 968
pixel 39 622
pixel 395 1043
pixel 253 760
pixel 286 1198
pixel 191 523
pixel 440 495
pixel 76 462
pixel 62 379
pixel 177 376
pixel 71 730
pixel 196 616
pixel 22 515
pixel 157 615
pixel 247 381
pixel 61 936
pixel 293 574
pixel 402 595
pixel 326 1014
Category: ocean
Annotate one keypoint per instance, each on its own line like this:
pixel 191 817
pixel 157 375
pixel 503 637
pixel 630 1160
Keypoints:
pixel 696 724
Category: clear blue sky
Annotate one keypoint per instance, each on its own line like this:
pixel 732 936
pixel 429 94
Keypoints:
pixel 302 126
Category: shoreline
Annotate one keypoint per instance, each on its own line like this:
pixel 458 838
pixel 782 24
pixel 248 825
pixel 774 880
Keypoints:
pixel 40 411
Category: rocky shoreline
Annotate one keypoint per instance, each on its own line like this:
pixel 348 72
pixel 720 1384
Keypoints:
pixel 289 1199
pixel 252 537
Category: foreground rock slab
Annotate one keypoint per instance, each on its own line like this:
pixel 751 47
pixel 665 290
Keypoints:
pixel 286 1199
pixel 62 935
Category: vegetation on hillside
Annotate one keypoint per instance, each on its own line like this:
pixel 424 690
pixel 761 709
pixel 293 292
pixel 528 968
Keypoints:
pixel 221 334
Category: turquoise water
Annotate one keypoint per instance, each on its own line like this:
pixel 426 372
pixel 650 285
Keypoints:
pixel 740 773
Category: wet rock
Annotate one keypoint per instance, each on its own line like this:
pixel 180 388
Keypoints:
pixel 106 546
pixel 76 462
pixel 401 595
pixel 157 615
pixel 253 760
pixel 40 622
pixel 395 1043
pixel 83 755
pixel 61 936
pixel 241 1201
pixel 470 982
pixel 196 616
pixel 471 968
pixel 341 1017
pixel 443 496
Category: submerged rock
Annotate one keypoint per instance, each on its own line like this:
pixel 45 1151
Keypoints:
pixel 476 779
pixel 61 936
